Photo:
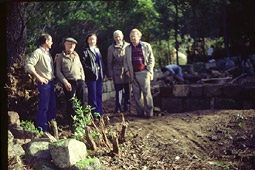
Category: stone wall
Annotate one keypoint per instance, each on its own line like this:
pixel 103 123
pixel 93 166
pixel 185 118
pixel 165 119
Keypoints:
pixel 183 98
pixel 108 90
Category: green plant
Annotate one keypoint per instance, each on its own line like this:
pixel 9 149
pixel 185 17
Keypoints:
pixel 218 163
pixel 29 126
pixel 81 119
pixel 240 124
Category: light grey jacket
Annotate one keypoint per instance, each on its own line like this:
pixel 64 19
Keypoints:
pixel 149 60
pixel 115 61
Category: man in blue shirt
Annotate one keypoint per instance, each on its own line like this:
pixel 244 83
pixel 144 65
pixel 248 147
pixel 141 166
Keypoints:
pixel 173 70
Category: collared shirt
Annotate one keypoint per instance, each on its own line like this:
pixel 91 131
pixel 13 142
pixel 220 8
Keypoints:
pixel 68 67
pixel 137 57
pixel 41 62
pixel 96 51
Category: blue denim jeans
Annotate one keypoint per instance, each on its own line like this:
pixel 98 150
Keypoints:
pixel 95 95
pixel 47 105
pixel 121 89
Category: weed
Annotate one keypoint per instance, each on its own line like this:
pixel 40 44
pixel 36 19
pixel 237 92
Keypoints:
pixel 82 118
pixel 29 126
pixel 218 163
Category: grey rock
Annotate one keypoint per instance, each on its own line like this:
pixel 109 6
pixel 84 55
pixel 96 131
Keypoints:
pixel 10 138
pixel 65 153
pixel 44 165
pixel 15 150
pixel 13 118
pixel 38 149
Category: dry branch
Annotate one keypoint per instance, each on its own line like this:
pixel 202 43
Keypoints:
pixel 122 133
pixel 90 141
pixel 115 143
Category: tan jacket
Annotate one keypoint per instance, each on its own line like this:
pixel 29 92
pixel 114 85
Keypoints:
pixel 149 60
pixel 115 61
pixel 69 69
pixel 41 62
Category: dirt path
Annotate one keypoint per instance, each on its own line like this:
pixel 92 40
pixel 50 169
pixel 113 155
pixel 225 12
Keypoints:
pixel 196 140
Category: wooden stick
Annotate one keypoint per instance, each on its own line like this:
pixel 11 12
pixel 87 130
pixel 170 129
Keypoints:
pixel 122 133
pixel 115 143
pixel 89 138
pixel 104 133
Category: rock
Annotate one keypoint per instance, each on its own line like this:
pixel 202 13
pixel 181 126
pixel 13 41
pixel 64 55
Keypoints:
pixel 37 150
pixel 88 164
pixel 45 165
pixel 65 153
pixel 15 150
pixel 19 133
pixel 10 138
pixel 180 90
pixel 13 118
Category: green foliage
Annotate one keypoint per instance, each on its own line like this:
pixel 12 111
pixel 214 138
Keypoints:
pixel 157 21
pixel 222 164
pixel 82 118
pixel 29 126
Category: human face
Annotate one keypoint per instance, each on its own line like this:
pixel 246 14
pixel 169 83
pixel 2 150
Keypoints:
pixel 69 46
pixel 49 43
pixel 92 40
pixel 118 38
pixel 134 38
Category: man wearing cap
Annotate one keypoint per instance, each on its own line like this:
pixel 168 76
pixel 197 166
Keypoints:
pixel 70 73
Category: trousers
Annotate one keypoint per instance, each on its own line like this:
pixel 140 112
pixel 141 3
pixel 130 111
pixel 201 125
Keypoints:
pixel 47 105
pixel 78 89
pixel 122 90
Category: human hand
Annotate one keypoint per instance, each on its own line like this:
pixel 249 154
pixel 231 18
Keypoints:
pixel 128 74
pixel 111 78
pixel 43 80
pixel 56 57
pixel 68 86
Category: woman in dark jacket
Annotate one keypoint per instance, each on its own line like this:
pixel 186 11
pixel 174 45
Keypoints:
pixel 91 60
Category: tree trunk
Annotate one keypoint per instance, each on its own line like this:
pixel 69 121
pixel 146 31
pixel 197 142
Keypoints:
pixel 225 28
pixel 176 31
pixel 16 32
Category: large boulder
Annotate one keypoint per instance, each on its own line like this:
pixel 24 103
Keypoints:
pixel 66 153
pixel 37 150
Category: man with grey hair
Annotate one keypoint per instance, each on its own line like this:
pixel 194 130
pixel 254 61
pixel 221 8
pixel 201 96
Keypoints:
pixel 139 63
pixel 115 61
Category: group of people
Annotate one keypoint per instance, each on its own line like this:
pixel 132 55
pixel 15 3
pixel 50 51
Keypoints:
pixel 128 64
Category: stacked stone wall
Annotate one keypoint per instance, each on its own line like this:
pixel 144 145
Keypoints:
pixel 184 98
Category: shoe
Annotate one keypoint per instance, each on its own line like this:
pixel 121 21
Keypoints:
pixel 117 111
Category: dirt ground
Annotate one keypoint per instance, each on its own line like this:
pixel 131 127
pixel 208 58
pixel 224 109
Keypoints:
pixel 205 139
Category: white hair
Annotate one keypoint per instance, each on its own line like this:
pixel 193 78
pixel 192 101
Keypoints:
pixel 117 32
pixel 136 30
